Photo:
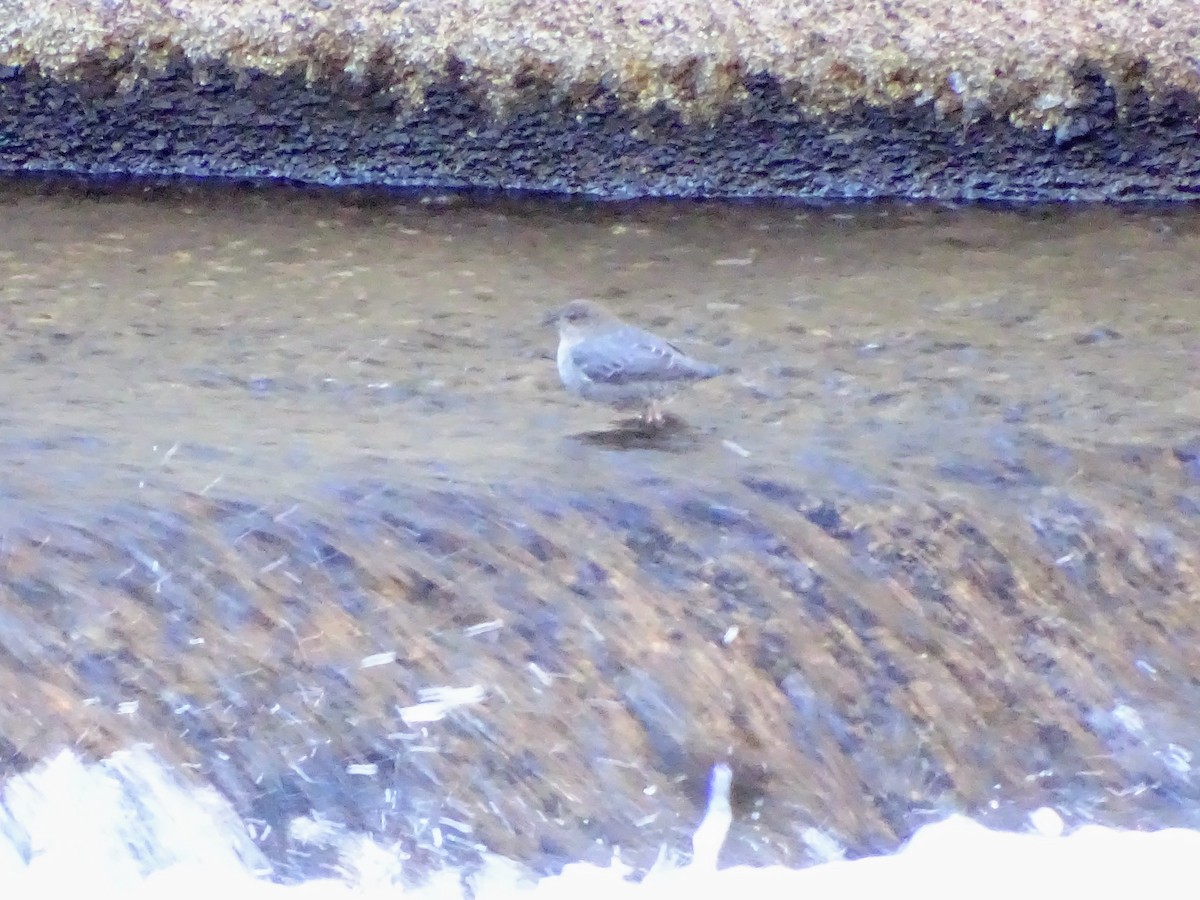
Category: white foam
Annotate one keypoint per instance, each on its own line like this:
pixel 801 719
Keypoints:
pixel 127 827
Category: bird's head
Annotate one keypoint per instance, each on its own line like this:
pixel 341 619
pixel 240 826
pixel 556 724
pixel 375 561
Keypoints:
pixel 578 315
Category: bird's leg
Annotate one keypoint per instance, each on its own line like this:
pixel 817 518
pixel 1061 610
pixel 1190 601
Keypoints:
pixel 653 416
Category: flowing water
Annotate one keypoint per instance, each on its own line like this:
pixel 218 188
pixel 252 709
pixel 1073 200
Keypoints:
pixel 1022 383
pixel 271 338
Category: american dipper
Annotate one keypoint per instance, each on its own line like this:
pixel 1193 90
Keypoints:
pixel 604 359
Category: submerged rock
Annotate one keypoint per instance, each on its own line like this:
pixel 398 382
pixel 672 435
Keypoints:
pixel 399 654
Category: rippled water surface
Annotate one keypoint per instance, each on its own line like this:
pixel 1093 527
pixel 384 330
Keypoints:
pixel 262 341
pixel 278 465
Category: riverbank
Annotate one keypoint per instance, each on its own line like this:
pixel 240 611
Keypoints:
pixel 1029 102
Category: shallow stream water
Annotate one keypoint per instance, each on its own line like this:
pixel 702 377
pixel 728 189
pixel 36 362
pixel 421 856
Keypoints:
pixel 262 341
pixel 279 463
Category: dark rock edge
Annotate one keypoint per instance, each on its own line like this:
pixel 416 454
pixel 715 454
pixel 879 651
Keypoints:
pixel 1123 146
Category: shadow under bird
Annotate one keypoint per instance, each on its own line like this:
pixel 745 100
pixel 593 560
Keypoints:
pixel 606 360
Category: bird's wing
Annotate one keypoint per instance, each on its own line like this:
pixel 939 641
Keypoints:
pixel 631 355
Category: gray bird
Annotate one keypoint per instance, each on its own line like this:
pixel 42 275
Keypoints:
pixel 604 359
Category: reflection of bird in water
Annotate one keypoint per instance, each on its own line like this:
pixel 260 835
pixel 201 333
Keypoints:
pixel 604 359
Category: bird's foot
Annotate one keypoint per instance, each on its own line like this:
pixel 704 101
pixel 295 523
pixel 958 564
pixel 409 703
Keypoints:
pixel 653 416
pixel 652 420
